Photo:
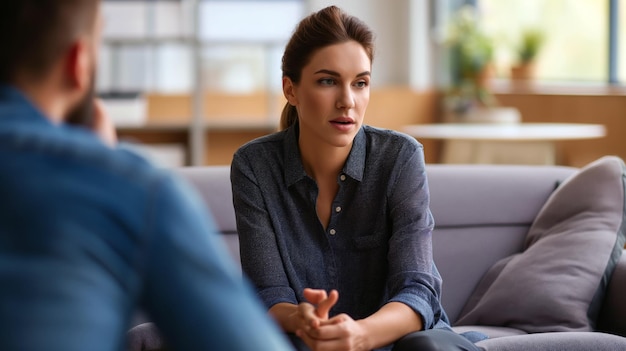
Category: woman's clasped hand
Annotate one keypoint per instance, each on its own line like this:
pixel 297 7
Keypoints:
pixel 322 333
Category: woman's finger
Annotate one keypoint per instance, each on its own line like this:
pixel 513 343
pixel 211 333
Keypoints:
pixel 323 307
pixel 307 316
pixel 314 296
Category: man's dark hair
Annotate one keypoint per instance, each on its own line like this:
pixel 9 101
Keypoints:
pixel 34 33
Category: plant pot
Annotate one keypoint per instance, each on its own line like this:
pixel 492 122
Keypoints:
pixel 523 71
pixel 485 115
pixel 483 78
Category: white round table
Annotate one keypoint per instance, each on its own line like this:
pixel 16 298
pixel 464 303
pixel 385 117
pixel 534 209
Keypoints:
pixel 504 143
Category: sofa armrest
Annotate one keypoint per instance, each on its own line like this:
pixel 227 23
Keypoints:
pixel 613 313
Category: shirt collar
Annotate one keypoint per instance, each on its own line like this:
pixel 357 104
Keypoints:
pixel 14 104
pixel 355 164
pixel 294 169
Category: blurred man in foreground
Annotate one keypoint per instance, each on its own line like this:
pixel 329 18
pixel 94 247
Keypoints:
pixel 89 232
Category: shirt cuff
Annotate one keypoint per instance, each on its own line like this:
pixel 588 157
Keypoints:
pixel 274 295
pixel 420 305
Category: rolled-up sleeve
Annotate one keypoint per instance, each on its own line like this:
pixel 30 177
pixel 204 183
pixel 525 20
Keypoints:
pixel 260 256
pixel 413 278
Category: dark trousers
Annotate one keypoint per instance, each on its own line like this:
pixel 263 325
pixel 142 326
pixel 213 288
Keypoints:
pixel 434 340
pixel 427 340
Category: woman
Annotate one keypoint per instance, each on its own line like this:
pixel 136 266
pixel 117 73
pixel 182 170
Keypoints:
pixel 329 204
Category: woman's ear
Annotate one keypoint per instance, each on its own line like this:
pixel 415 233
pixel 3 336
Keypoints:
pixel 289 90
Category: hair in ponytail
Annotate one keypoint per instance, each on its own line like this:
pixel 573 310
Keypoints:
pixel 288 117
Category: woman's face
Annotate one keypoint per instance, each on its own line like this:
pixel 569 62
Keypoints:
pixel 332 95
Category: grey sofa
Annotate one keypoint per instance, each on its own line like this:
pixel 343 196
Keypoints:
pixel 482 214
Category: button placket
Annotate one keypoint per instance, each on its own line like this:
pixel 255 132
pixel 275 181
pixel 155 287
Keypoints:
pixel 338 208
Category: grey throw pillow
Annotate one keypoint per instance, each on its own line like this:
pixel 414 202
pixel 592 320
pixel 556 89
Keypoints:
pixel 558 282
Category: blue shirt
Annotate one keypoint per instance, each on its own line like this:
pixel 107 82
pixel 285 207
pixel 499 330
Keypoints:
pixel 88 233
pixel 377 247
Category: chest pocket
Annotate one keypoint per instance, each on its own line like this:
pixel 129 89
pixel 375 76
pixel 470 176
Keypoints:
pixel 368 242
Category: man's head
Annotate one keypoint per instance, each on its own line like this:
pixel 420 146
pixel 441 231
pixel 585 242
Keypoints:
pixel 51 43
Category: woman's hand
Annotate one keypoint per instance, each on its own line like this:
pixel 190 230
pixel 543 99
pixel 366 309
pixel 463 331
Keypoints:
pixel 340 333
pixel 323 302
pixel 311 314
pixel 321 333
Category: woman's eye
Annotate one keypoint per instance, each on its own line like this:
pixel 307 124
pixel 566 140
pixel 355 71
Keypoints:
pixel 326 81
pixel 361 84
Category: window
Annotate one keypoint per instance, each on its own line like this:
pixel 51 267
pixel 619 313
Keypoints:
pixel 576 32
pixel 621 54
pixel 244 41
pixel 146 46
pixel 149 45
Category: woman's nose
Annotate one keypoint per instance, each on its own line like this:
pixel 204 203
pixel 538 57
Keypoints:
pixel 345 100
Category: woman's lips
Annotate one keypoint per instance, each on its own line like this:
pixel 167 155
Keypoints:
pixel 343 124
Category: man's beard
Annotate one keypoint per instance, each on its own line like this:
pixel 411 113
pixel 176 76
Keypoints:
pixel 82 113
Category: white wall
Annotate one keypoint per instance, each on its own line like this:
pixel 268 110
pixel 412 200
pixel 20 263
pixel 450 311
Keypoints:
pixel 402 54
pixel 421 50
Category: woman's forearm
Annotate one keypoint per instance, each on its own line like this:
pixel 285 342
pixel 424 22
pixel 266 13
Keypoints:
pixel 285 313
pixel 393 321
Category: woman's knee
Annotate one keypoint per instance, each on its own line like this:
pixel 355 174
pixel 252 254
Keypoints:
pixel 434 340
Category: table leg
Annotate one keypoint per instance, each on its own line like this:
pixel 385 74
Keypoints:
pixel 458 151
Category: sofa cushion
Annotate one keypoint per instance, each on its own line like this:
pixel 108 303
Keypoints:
pixel 558 282
pixel 577 341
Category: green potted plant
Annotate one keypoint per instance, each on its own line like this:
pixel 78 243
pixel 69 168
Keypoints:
pixel 469 98
pixel 531 42
pixel 470 52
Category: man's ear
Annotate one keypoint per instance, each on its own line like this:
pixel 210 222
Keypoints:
pixel 77 69
pixel 289 91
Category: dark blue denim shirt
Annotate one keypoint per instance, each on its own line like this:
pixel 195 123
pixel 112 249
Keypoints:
pixel 377 247
pixel 87 233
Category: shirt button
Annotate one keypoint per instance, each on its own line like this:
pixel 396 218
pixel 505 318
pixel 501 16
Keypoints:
pixel 333 232
pixel 338 209
pixel 343 177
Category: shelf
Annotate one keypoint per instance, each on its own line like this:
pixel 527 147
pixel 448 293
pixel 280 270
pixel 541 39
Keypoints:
pixel 241 126
pixel 147 41
pixel 135 41
pixel 223 126
pixel 155 127
pixel 510 87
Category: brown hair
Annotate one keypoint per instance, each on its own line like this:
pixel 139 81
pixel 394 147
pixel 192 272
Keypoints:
pixel 35 33
pixel 326 27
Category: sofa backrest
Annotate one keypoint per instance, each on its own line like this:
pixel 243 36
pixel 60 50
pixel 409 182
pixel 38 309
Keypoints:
pixel 213 185
pixel 482 214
